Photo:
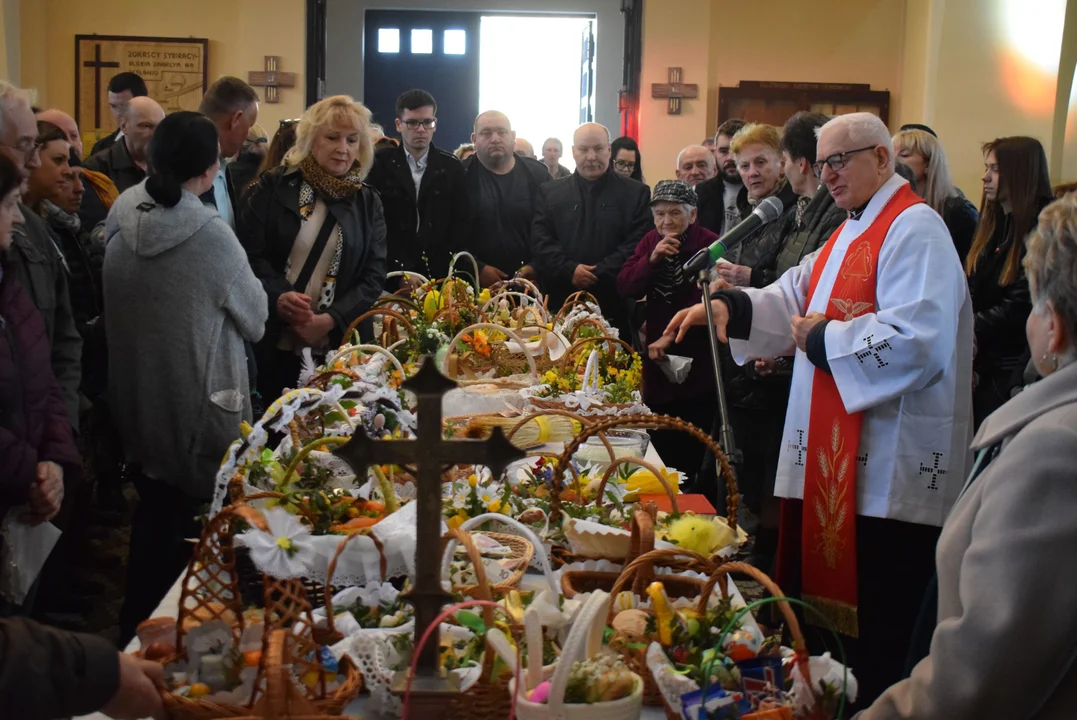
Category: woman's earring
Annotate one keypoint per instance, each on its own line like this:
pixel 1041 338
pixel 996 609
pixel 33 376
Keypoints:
pixel 1054 361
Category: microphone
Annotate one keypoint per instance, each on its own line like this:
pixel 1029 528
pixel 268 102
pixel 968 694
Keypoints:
pixel 765 212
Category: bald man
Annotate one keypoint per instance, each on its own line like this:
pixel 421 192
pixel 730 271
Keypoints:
pixel 501 188
pixel 587 225
pixel 695 164
pixel 66 123
pixel 524 148
pixel 125 161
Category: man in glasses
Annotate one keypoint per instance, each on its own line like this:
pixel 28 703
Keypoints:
pixel 587 225
pixel 33 258
pixel 502 187
pixel 874 450
pixel 422 191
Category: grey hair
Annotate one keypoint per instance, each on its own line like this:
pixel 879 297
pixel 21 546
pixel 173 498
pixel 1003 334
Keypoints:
pixel 863 129
pixel 680 155
pixel 1051 265
pixel 560 145
pixel 10 95
pixel 604 129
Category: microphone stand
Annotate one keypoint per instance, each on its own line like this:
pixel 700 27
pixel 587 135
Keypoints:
pixel 725 435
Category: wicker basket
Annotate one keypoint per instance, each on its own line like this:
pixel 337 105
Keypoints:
pixel 522 552
pixel 792 624
pixel 209 592
pixel 282 700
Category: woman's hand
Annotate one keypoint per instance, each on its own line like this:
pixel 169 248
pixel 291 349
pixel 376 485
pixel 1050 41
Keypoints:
pixel 668 246
pixel 294 308
pixel 314 330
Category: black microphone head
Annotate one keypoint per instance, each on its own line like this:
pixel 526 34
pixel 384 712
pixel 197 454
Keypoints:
pixel 768 210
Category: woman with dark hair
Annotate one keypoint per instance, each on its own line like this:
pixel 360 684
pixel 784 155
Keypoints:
pixel 280 145
pixel 1016 187
pixel 180 300
pixel 315 235
pixel 625 158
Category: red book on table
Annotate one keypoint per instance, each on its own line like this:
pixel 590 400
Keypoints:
pixel 696 503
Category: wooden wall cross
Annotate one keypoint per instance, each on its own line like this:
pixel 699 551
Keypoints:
pixel 431 453
pixel 97 63
pixel 272 79
pixel 674 91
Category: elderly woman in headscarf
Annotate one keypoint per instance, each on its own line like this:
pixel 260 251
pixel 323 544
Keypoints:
pixel 315 235
pixel 1004 644
pixel 655 271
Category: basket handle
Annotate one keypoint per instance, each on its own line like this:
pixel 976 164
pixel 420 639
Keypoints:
pixel 636 420
pixel 582 343
pixel 529 535
pixel 518 281
pixel 374 312
pixel 348 349
pixel 498 328
pixel 474 266
pixel 281 700
pixel 580 297
pixel 649 560
pixel 584 640
pixel 647 466
pixel 718 578
pixel 574 335
pixel 483 591
pixel 331 570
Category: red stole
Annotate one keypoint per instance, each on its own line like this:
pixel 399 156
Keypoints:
pixel 828 539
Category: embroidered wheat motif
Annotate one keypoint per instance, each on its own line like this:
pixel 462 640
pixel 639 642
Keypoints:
pixel 831 512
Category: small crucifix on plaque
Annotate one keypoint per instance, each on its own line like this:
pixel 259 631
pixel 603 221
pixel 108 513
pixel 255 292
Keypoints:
pixel 272 79
pixel 674 91
pixel 432 454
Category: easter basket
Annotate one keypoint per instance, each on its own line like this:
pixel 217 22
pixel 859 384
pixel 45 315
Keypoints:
pixel 209 595
pixel 480 353
pixel 609 384
pixel 584 642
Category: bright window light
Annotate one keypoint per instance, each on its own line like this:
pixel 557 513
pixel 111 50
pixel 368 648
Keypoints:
pixel 388 40
pixel 455 42
pixel 422 41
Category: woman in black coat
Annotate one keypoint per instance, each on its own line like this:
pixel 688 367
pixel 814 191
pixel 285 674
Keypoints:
pixel 315 236
pixel 1016 187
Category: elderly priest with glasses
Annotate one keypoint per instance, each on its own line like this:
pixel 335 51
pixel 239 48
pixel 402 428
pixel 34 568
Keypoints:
pixel 874 448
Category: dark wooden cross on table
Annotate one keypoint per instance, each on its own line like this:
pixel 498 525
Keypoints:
pixel 432 453
pixel 674 91
pixel 97 63
pixel 272 79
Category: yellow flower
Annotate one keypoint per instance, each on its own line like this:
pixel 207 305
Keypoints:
pixel 457 520
pixel 550 377
pixel 472 479
pixel 284 543
pixel 494 506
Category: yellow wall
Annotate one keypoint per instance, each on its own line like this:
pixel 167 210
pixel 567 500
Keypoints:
pixel 240 33
pixel 726 41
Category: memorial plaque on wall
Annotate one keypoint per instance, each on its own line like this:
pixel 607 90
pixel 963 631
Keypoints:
pixel 174 69
pixel 774 102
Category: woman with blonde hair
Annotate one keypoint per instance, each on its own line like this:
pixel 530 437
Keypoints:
pixel 922 153
pixel 1007 573
pixel 315 236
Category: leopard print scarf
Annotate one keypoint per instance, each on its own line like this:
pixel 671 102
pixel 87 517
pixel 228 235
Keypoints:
pixel 328 186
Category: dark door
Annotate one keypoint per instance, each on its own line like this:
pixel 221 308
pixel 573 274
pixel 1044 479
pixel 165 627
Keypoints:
pixel 435 51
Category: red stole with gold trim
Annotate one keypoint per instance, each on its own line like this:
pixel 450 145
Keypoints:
pixel 828 549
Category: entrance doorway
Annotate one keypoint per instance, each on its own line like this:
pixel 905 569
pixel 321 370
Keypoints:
pixel 537 69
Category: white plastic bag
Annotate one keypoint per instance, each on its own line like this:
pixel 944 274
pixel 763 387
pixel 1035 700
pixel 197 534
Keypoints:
pixel 675 368
pixel 25 550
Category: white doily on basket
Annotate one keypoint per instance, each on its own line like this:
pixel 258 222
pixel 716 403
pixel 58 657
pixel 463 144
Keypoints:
pixel 670 683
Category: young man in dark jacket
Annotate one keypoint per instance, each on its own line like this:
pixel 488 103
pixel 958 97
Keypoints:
pixel 586 226
pixel 423 192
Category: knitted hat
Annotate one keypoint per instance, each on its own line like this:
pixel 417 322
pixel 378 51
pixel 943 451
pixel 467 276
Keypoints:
pixel 675 191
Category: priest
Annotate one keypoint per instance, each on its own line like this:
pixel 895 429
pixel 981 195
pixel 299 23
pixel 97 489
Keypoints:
pixel 874 447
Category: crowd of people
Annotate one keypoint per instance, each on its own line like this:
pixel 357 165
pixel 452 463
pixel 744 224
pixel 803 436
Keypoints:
pixel 881 340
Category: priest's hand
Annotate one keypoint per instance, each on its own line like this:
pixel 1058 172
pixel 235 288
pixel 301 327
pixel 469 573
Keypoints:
pixel 735 275
pixel 314 330
pixel 668 246
pixel 294 308
pixel 801 326
pixel 688 318
pixel 490 275
pixel 584 276
pixel 527 273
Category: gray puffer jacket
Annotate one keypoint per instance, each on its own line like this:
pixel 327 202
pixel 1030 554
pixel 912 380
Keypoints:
pixel 180 299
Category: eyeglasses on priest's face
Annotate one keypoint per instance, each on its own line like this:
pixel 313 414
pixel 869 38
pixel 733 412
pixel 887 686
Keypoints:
pixel 427 123
pixel 837 161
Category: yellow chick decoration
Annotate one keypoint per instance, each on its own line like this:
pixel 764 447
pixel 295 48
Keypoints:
pixel 644 482
pixel 693 532
pixel 431 304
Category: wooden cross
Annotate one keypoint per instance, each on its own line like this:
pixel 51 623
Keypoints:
pixel 272 79
pixel 97 63
pixel 674 91
pixel 432 453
